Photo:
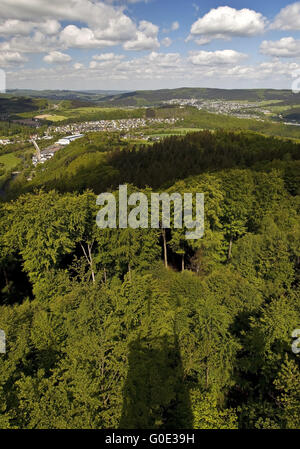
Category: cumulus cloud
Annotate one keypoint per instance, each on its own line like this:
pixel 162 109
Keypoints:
pixel 145 37
pixel 74 37
pixel 102 24
pixel 15 27
pixel 37 43
pixel 8 59
pixel 225 22
pixel 57 57
pixel 207 58
pixel 287 47
pixel 165 59
pixel 288 18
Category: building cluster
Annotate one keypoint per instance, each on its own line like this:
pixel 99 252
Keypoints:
pixel 102 125
pixel 111 125
pixel 35 137
pixel 45 155
pixel 49 152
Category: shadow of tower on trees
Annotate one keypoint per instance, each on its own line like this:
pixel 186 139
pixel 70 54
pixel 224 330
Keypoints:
pixel 155 395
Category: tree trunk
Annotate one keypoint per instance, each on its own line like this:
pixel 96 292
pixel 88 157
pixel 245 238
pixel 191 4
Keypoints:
pixel 91 261
pixel 105 277
pixel 165 247
pixel 182 263
pixel 129 271
pixel 89 257
pixel 230 249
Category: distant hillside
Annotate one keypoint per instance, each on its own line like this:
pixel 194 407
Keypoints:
pixel 140 98
pixel 13 105
pixel 89 95
pixel 155 97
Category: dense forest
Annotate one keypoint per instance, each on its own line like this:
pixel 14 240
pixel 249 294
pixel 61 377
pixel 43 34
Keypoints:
pixel 123 328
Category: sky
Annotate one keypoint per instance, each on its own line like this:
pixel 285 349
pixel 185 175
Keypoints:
pixel 149 44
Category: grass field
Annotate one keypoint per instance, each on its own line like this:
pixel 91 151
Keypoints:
pixel 9 161
pixel 174 132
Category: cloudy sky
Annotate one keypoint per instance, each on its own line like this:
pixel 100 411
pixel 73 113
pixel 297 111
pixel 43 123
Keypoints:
pixel 149 44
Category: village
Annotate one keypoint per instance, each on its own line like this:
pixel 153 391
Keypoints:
pixel 110 125
pixel 78 130
pixel 233 108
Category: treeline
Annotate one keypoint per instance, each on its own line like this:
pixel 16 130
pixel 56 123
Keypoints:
pixel 102 161
pixel 8 129
pixel 179 157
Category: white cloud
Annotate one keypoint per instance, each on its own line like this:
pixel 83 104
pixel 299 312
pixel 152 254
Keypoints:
pixel 287 47
pixel 108 57
pixel 78 66
pixel 15 27
pixel 288 18
pixel 156 70
pixel 103 24
pixel 74 37
pixel 37 43
pixel 97 13
pixel 50 26
pixel 57 57
pixel 105 59
pixel 8 59
pixel 208 58
pixel 145 38
pixel 165 59
pixel 202 40
pixel 225 22
pixel 166 42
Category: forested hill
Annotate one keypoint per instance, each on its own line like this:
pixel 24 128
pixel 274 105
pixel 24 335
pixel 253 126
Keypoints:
pixel 87 95
pixel 101 162
pixel 155 97
pixel 10 104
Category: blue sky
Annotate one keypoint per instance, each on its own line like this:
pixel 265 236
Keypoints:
pixel 149 44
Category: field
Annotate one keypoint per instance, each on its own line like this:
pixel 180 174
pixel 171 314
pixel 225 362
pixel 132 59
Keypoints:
pixel 9 161
pixel 52 118
pixel 173 132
